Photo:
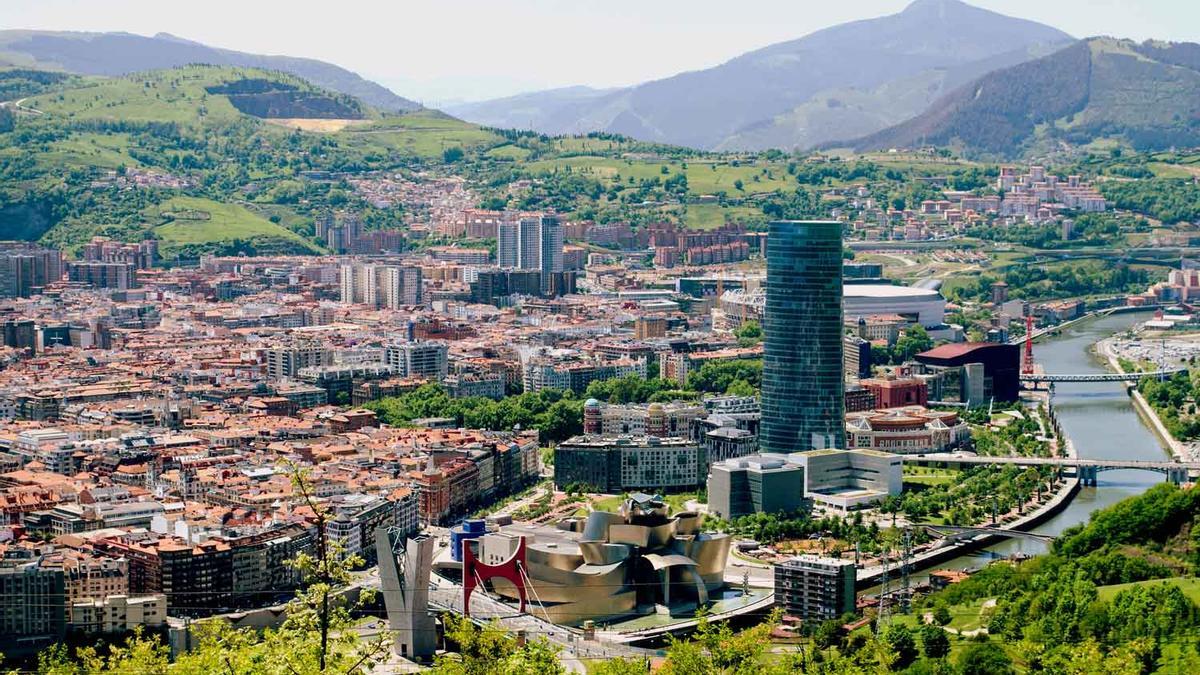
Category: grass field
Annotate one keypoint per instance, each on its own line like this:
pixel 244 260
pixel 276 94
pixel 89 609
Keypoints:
pixel 1189 585
pixel 424 133
pixel 160 96
pixel 703 177
pixel 709 216
pixel 89 150
pixel 224 222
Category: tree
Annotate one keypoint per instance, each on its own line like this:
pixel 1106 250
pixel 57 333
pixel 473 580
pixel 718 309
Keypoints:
pixel 452 155
pixel 914 341
pixel 489 650
pixel 941 615
pixel 984 658
pixel 829 634
pixel 934 642
pixel 315 609
pixel 900 639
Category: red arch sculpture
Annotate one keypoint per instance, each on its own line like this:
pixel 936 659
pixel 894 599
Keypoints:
pixel 475 572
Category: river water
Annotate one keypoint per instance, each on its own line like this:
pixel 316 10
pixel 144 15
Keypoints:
pixel 1100 420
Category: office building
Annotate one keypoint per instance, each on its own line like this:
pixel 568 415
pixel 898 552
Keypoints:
pixel 814 588
pixel 550 257
pixel 972 372
pixel 755 484
pixel 802 382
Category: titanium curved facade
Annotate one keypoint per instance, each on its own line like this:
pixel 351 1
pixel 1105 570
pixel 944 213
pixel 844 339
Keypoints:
pixel 802 387
pixel 618 564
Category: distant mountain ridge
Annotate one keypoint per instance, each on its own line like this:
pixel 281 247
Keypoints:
pixel 1146 94
pixel 113 54
pixel 840 82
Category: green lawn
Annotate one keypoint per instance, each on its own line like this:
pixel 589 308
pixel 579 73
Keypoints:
pixel 703 177
pixel 223 223
pixel 709 216
pixel 162 96
pixel 424 133
pixel 1189 585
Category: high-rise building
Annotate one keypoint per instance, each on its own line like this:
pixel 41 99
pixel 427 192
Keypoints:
pixel 386 286
pixel 550 255
pixel 27 268
pixel 803 405
pixel 119 275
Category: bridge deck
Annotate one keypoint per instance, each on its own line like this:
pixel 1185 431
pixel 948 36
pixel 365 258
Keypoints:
pixel 1055 461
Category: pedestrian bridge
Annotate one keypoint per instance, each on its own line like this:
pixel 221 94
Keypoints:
pixel 1098 377
pixel 1086 469
pixel 954 532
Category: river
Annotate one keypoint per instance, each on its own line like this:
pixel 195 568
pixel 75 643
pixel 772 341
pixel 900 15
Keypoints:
pixel 1100 420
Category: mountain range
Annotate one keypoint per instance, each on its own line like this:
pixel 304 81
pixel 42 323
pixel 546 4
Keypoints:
pixel 112 54
pixel 1145 94
pixel 842 82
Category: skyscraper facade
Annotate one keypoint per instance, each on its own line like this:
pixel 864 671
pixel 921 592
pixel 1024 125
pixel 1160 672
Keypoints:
pixel 802 384
pixel 550 257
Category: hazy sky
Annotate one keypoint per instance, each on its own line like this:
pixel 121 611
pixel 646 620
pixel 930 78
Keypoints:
pixel 442 50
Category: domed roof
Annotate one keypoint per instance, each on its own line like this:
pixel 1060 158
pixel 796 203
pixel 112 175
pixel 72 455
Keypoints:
pixel 655 407
pixel 591 403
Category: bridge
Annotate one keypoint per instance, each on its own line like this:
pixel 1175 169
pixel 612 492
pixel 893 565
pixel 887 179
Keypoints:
pixel 1100 377
pixel 1087 469
pixel 954 532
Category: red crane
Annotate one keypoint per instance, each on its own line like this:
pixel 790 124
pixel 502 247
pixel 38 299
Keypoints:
pixel 1027 366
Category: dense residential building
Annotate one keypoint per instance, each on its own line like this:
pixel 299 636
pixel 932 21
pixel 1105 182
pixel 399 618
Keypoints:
pixel 119 275
pixel 383 286
pixel 618 464
pixel 576 374
pixel 802 382
pixel 814 588
pixel 426 359
pixel 196 578
pixel 26 268
pixel 32 612
pixel 653 419
pixel 286 361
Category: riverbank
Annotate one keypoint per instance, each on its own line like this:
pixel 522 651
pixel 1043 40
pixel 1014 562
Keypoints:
pixel 1180 451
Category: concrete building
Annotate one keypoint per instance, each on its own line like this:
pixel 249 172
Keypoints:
pixel 616 464
pixel 802 381
pixel 814 588
pixel 846 479
pixel 26 268
pixel 286 361
pixel 118 613
pixel 427 359
pixel 103 274
pixel 381 286
pixel 755 484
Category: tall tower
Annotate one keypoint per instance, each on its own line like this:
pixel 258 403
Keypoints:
pixel 803 404
pixel 550 259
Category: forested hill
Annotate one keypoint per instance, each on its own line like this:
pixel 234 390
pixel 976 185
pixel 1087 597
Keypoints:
pixel 113 54
pixel 1115 595
pixel 1147 95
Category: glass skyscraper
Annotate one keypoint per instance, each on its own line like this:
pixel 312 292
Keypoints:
pixel 803 405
